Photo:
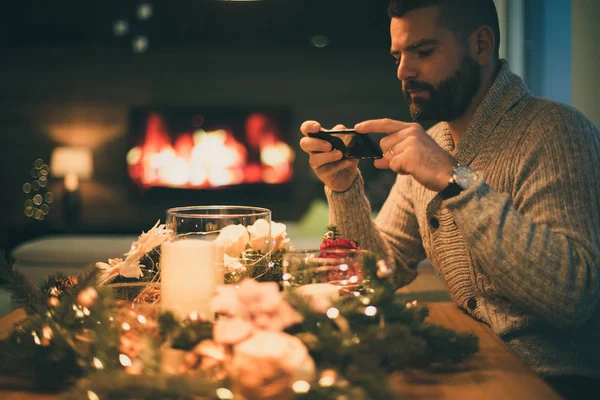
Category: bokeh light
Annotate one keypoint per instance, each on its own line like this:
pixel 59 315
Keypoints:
pixel 37 206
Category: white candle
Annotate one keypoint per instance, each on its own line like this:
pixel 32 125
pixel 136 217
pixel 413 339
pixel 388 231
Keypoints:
pixel 190 270
pixel 319 290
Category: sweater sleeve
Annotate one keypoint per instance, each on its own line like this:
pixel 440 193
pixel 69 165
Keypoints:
pixel 542 248
pixel 395 233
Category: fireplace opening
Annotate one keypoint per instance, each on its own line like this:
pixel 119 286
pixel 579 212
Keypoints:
pixel 209 148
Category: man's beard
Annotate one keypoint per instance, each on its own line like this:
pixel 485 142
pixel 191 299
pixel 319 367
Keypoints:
pixel 450 98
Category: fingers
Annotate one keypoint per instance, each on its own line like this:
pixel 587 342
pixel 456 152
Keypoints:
pixel 318 160
pixel 310 127
pixel 382 163
pixel 338 127
pixel 330 170
pixel 313 145
pixel 400 139
pixel 384 125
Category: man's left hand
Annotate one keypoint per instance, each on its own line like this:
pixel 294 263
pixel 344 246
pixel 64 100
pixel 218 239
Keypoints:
pixel 408 149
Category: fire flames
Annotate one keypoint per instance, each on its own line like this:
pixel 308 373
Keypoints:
pixel 210 158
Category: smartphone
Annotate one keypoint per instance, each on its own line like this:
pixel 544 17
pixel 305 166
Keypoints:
pixel 351 143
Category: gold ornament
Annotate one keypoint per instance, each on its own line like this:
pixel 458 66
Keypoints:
pixel 53 301
pixel 87 297
pixel 383 271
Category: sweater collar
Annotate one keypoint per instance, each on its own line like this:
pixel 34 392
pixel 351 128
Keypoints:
pixel 504 93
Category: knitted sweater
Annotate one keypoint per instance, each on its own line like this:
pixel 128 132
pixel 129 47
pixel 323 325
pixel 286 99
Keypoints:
pixel 519 250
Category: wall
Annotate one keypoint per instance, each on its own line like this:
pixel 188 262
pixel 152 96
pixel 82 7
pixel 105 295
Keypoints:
pixel 82 97
pixel 586 58
pixel 548 49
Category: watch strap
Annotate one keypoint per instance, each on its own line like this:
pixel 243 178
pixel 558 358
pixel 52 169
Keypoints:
pixel 453 189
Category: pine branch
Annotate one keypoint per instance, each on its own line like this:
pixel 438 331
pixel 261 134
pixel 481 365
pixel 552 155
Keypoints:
pixel 24 292
pixel 88 276
pixel 120 385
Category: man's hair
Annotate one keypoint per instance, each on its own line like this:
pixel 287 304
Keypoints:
pixel 460 16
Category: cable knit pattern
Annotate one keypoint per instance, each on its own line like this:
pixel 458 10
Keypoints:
pixel 520 249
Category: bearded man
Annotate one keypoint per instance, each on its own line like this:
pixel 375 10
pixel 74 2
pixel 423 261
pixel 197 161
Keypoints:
pixel 502 195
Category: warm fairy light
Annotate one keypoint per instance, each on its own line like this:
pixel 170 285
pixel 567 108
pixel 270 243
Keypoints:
pixel 125 326
pixel 366 301
pixel 356 294
pixel 353 279
pixel 333 313
pixel 370 311
pixel 98 364
pixel 125 361
pixel 327 380
pixel 47 332
pixel 343 267
pixel 224 394
pixel 141 319
pixel 86 311
pixel 36 338
pixel 301 387
pixel 92 396
pixel 411 304
pixel 194 316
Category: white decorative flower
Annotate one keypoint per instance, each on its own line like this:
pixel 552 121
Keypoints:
pixel 149 240
pixel 279 236
pixel 232 263
pixel 129 268
pixel 234 239
pixel 259 235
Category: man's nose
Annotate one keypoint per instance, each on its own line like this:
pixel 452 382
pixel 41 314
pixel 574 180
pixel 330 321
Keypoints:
pixel 406 71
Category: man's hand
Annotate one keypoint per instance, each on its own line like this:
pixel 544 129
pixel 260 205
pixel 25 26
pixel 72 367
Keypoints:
pixel 408 149
pixel 335 172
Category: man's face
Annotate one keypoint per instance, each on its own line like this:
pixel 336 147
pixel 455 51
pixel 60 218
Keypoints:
pixel 439 76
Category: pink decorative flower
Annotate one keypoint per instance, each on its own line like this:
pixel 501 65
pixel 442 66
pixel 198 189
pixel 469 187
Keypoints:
pixel 267 364
pixel 251 306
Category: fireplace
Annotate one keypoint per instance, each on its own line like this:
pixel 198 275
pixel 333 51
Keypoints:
pixel 209 148
pixel 213 155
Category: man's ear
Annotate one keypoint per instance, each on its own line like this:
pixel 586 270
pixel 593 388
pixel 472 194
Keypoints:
pixel 483 44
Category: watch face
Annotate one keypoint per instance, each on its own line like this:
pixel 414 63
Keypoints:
pixel 464 176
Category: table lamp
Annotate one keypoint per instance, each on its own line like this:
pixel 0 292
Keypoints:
pixel 72 163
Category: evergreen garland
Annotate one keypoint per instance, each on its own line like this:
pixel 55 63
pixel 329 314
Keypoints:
pixel 66 345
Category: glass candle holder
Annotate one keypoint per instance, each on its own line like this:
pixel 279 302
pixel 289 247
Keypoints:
pixel 325 273
pixel 208 243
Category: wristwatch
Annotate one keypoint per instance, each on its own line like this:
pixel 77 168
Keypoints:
pixel 462 178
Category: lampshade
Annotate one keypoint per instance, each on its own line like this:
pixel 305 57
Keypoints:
pixel 72 161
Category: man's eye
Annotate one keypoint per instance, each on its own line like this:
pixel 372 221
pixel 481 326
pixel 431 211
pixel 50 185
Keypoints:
pixel 424 53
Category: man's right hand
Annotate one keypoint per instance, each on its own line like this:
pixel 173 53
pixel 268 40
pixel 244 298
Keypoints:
pixel 337 173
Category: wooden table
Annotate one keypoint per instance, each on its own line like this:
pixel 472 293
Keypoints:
pixel 495 372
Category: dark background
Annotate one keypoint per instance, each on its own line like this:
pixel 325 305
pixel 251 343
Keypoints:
pixel 66 79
